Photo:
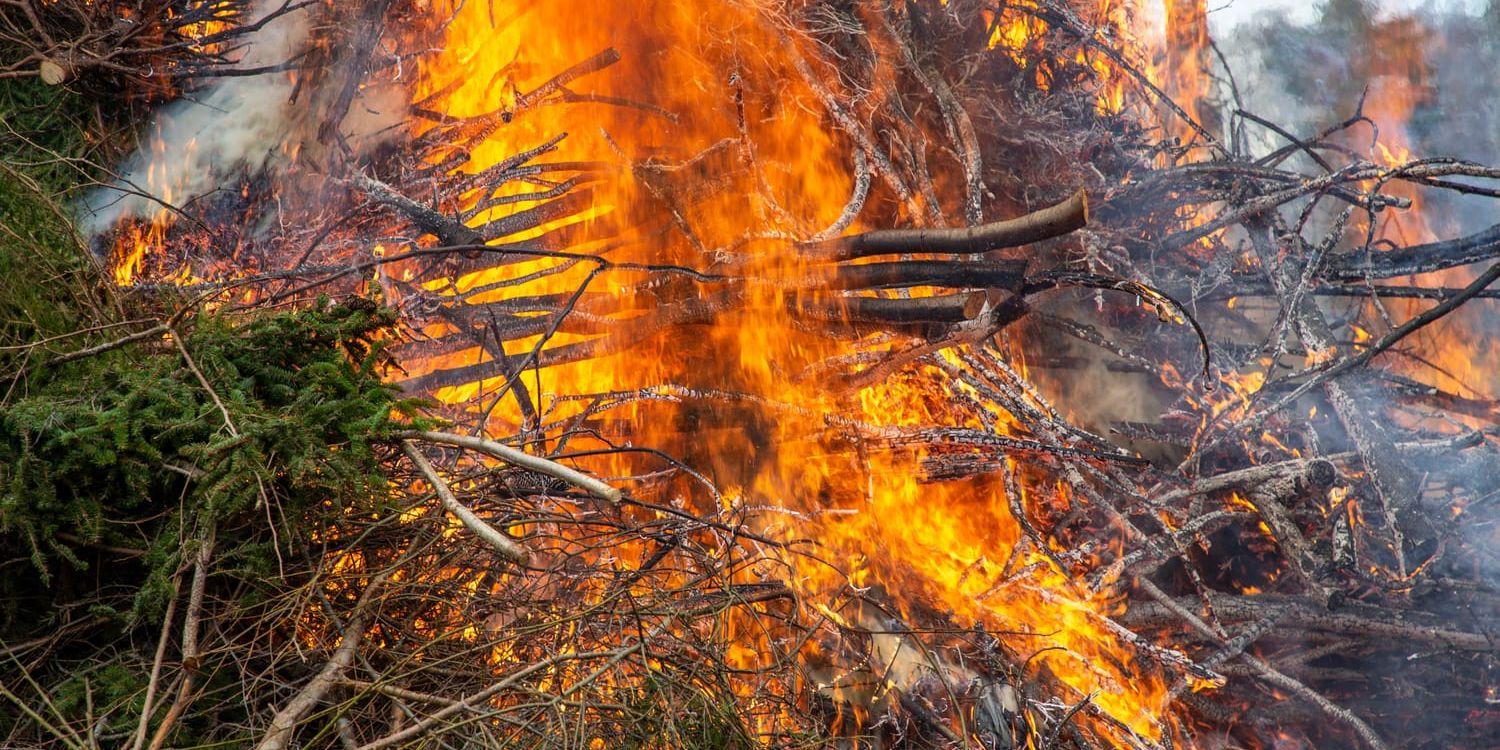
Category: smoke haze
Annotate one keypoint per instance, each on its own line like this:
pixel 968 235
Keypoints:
pixel 239 125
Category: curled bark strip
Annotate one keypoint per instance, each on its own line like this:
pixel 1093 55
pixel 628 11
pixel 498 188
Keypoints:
pixel 524 460
pixel 1046 223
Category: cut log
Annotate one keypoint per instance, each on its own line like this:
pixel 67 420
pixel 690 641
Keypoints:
pixel 1046 223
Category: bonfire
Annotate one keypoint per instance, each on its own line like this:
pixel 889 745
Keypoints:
pixel 752 373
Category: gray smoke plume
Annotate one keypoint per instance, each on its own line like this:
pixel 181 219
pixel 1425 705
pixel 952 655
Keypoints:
pixel 197 142
pixel 238 125
pixel 1308 73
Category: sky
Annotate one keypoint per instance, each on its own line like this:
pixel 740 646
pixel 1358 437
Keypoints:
pixel 1225 14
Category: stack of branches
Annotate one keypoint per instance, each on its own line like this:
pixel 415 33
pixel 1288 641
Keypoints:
pixel 243 536
pixel 1329 558
pixel 143 48
pixel 544 609
pixel 1339 559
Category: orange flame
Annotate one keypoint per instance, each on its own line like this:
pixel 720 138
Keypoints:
pixel 944 545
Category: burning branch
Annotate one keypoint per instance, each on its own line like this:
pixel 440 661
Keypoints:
pixel 935 477
pixel 1043 224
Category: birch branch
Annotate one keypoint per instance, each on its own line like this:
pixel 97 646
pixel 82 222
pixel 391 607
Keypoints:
pixel 489 534
pixel 519 458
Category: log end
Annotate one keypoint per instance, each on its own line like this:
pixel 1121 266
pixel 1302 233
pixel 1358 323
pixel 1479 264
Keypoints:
pixel 1079 205
pixel 975 304
pixel 54 73
pixel 1321 474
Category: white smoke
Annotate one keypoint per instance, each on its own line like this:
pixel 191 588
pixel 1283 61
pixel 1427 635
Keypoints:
pixel 198 142
pixel 242 124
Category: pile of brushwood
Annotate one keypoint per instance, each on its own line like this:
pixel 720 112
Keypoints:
pixel 159 470
pixel 173 472
pixel 148 49
pixel 225 530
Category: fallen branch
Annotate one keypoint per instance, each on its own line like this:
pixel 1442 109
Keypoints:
pixel 1046 223
pixel 476 699
pixel 1267 672
pixel 1416 259
pixel 285 722
pixel 489 534
pixel 519 458
pixel 191 622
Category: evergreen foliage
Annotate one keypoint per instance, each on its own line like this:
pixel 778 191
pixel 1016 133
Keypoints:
pixel 97 447
pixel 129 450
pixel 115 467
pixel 48 285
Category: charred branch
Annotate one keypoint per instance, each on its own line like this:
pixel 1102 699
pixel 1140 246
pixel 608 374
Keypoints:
pixel 999 275
pixel 1415 259
pixel 945 308
pixel 449 231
